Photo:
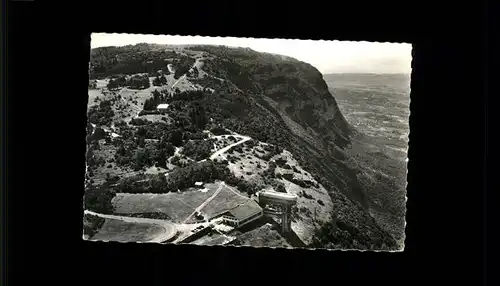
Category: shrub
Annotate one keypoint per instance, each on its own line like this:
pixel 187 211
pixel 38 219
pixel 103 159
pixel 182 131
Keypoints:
pixel 247 187
pixel 149 112
pixel 185 177
pixel 220 131
pixel 160 80
pixel 101 114
pixel 175 137
pixel 112 84
pixel 175 160
pixel 139 121
pixel 280 188
pixel 199 149
pixel 138 82
pixel 196 135
pixel 98 134
pixel 121 124
pixel 250 143
pixel 281 162
pixel 92 224
pixel 288 177
pixel 169 149
pixel 99 200
pixel 141 158
pixel 306 195
pixel 182 65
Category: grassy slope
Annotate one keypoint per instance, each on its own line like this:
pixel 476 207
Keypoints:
pixel 117 230
pixel 264 236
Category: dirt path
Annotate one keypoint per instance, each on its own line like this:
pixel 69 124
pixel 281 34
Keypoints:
pixel 225 149
pixel 169 228
pixel 197 65
pixel 202 205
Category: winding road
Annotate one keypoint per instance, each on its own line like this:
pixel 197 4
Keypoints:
pixel 225 149
pixel 169 229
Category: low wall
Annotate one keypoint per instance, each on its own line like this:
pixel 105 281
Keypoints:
pixel 196 235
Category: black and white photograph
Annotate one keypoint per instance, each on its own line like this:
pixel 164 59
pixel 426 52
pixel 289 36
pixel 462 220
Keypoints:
pixel 247 142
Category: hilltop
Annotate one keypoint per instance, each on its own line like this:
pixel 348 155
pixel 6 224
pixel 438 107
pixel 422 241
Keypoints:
pixel 298 140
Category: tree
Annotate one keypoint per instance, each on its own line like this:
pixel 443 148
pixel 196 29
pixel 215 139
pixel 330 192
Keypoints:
pixel 96 145
pixel 139 82
pixel 141 141
pixel 92 84
pixel 170 149
pixel 163 80
pixel 198 116
pixel 121 151
pixel 141 131
pixel 175 137
pixel 112 84
pixel 156 81
pixel 99 200
pixel 161 157
pixel 280 188
pixel 199 149
pixel 175 160
pixel 141 158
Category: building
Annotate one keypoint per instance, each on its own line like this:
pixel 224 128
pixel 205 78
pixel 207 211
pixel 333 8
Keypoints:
pixel 276 197
pixel 162 107
pixel 270 200
pixel 243 214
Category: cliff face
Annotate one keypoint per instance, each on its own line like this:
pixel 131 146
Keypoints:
pixel 285 102
pixel 296 89
pixel 294 99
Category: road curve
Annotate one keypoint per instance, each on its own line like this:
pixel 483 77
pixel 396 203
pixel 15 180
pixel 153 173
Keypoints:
pixel 225 149
pixel 170 229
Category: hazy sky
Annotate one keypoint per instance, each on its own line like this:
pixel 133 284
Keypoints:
pixel 326 56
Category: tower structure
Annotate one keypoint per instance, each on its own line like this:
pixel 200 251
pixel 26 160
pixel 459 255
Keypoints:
pixel 278 205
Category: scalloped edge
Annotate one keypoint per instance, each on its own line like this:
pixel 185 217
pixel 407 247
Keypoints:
pixel 269 247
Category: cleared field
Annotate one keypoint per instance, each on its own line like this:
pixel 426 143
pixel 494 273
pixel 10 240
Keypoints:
pixel 225 200
pixel 93 94
pixel 117 230
pixel 178 206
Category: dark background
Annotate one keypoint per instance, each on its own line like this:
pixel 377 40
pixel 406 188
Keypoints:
pixel 47 59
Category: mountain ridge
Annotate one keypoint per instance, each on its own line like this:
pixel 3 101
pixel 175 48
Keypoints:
pixel 284 102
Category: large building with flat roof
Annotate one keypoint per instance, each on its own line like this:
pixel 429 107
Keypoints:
pixel 243 214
